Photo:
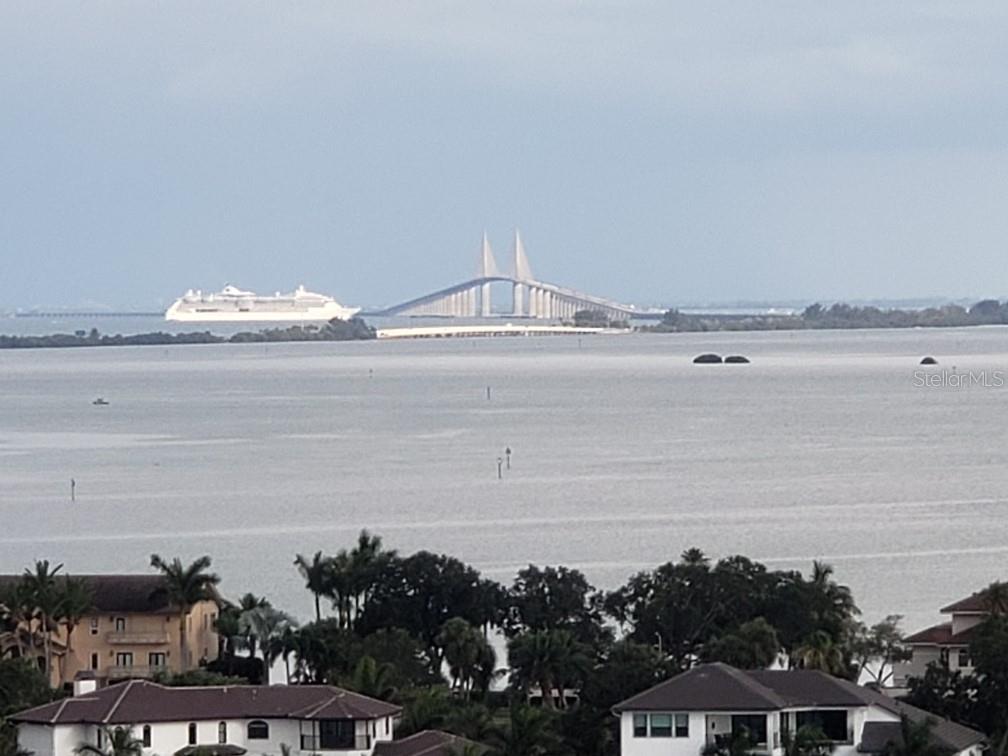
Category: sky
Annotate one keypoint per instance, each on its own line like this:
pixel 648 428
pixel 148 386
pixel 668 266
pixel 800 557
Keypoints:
pixel 652 152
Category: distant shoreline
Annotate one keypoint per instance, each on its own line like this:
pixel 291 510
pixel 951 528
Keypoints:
pixel 354 329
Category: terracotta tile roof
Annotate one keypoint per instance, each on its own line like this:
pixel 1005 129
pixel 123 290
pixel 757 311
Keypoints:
pixel 426 743
pixel 941 635
pixel 120 593
pixel 143 701
pixel 975 604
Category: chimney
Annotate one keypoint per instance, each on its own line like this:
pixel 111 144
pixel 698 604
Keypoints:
pixel 84 683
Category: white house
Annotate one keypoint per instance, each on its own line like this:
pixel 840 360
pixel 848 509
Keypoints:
pixel 709 703
pixel 226 720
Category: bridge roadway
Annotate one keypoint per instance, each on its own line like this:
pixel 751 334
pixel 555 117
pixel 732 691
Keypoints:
pixel 503 329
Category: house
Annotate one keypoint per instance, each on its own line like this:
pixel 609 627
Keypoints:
pixel 131 632
pixel 224 720
pixel 946 644
pixel 710 703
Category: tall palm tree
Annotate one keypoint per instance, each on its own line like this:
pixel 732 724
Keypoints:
pixel 263 625
pixel 75 600
pixel 186 586
pixel 314 573
pixel 119 741
pixel 46 597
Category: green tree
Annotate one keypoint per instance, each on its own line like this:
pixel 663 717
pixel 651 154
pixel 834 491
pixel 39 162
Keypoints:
pixel 466 652
pixel 314 572
pixel 46 596
pixel 555 598
pixel 529 731
pixel 22 686
pixel 75 601
pixel 372 679
pixel 754 645
pixel 549 659
pixel 184 587
pixel 876 649
pixel 117 741
pixel 821 653
pixel 424 709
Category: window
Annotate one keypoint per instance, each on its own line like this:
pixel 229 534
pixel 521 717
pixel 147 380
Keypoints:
pixel 661 725
pixel 964 658
pixel 146 736
pixel 754 724
pixel 98 737
pixel 94 626
pixel 833 722
pixel 387 719
pixel 258 730
pixel 94 661
pixel 156 659
pixel 943 657
pixel 120 624
pixel 192 733
pixel 682 725
pixel 124 659
pixel 336 734
pixel 640 725
pixel 222 732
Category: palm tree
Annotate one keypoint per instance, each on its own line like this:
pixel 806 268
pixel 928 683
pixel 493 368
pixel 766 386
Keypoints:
pixel 820 652
pixel 46 596
pixel 314 573
pixel 185 586
pixel 16 612
pixel 262 625
pixel 463 649
pixel 369 678
pixel 549 659
pixel 119 741
pixel 425 711
pixel 75 600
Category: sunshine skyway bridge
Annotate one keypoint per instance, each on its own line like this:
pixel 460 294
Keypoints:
pixel 530 298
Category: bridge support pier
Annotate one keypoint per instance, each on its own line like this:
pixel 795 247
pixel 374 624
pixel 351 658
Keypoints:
pixel 518 308
pixel 485 300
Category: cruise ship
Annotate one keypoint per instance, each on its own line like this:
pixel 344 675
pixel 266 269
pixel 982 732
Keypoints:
pixel 232 304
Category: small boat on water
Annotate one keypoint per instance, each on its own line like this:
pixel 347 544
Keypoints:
pixel 100 402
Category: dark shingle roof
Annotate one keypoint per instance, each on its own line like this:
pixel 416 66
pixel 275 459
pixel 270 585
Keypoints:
pixel 143 701
pixel 708 687
pixel 119 593
pixel 875 736
pixel 720 687
pixel 426 743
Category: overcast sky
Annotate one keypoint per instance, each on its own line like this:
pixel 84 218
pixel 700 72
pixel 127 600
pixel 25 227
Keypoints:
pixel 654 152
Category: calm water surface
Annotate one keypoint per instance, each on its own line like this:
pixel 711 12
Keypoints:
pixel 624 455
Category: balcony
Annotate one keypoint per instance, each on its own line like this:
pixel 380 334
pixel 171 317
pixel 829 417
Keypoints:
pixel 136 639
pixel 132 671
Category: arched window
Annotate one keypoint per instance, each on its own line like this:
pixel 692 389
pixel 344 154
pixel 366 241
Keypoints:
pixel 192 733
pixel 222 732
pixel 258 730
pixel 146 736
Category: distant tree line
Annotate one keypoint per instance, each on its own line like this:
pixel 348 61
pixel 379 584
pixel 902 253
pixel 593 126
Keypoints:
pixel 839 316
pixel 354 329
